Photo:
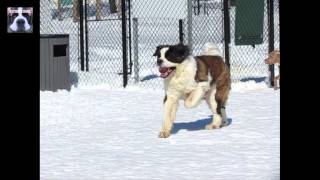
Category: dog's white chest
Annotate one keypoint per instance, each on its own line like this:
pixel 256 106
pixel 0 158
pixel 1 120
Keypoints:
pixel 183 82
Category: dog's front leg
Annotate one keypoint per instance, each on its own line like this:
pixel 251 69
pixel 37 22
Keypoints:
pixel 170 109
pixel 196 95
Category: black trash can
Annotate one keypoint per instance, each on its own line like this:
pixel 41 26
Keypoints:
pixel 54 62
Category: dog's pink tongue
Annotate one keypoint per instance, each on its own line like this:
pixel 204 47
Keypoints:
pixel 163 70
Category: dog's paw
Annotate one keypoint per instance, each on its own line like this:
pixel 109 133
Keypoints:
pixel 224 124
pixel 210 127
pixel 164 134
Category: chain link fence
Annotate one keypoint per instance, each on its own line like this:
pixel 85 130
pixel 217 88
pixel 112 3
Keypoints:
pixel 160 25
pixel 157 24
pixel 276 13
pixel 104 43
pixel 246 62
pixel 102 38
pixel 149 23
pixel 54 22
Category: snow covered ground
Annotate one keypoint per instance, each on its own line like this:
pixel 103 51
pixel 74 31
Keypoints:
pixel 96 132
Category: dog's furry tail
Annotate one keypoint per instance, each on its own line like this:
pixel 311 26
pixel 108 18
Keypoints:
pixel 210 49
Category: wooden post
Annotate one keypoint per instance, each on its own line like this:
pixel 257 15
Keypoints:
pixel 59 11
pixel 75 11
pixel 98 10
pixel 119 8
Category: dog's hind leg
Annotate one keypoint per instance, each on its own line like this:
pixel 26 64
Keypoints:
pixel 213 105
pixel 223 87
pixel 221 98
pixel 224 117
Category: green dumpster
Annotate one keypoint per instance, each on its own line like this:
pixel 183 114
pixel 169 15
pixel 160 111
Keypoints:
pixel 249 22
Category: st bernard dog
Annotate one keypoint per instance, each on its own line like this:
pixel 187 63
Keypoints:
pixel 193 79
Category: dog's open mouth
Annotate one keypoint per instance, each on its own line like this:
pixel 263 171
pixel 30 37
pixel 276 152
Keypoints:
pixel 166 71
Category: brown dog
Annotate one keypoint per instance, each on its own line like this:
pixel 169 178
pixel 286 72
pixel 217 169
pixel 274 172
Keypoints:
pixel 274 58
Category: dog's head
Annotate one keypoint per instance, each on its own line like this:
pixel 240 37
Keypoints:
pixel 19 19
pixel 169 57
pixel 274 58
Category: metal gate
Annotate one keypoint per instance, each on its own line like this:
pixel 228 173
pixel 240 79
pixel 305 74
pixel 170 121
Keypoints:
pixel 103 39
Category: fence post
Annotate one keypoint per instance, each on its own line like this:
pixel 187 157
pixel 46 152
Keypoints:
pixel 226 25
pixel 181 31
pixel 198 6
pixel 190 25
pixel 80 9
pixel 135 49
pixel 124 43
pixel 86 34
pixel 130 49
pixel 271 38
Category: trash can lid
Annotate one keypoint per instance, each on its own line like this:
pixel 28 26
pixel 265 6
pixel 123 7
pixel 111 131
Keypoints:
pixel 54 36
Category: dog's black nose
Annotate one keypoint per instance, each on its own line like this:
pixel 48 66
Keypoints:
pixel 159 62
pixel 20 21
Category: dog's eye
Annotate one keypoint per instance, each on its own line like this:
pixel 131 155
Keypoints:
pixel 25 14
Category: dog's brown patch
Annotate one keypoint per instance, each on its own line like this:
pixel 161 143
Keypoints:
pixel 202 71
pixel 220 75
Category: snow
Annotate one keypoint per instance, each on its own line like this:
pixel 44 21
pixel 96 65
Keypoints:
pixel 98 132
